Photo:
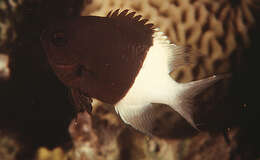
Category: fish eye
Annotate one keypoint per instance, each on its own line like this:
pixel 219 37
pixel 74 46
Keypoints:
pixel 59 39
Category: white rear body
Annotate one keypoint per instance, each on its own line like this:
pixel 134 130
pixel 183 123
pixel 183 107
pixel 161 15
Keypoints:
pixel 154 84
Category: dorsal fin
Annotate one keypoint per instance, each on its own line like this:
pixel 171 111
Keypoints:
pixel 177 55
pixel 129 17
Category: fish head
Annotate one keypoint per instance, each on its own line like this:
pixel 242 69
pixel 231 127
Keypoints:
pixel 69 49
pixel 99 56
pixel 81 53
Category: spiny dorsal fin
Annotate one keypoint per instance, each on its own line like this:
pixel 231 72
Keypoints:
pixel 129 17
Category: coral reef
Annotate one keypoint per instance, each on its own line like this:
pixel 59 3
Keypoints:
pixel 4 67
pixel 35 105
pixel 103 136
pixel 217 29
pixel 9 146
pixel 55 154
pixel 9 16
pixel 220 31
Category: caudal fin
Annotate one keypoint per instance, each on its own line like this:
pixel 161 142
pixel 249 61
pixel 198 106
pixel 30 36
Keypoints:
pixel 184 103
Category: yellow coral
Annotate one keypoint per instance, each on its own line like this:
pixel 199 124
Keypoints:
pixel 55 154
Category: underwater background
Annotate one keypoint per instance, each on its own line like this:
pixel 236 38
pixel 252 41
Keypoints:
pixel 37 117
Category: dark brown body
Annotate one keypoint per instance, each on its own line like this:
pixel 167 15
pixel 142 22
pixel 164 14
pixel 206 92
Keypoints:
pixel 102 55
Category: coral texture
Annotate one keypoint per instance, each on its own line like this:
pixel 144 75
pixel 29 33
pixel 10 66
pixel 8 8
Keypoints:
pixel 103 136
pixel 220 31
pixel 4 68
pixel 217 29
pixel 34 103
pixel 55 154
pixel 8 18
pixel 9 146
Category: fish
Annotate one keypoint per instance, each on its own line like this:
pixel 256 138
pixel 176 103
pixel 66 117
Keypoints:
pixel 123 60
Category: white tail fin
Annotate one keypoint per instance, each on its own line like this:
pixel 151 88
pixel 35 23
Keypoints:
pixel 184 103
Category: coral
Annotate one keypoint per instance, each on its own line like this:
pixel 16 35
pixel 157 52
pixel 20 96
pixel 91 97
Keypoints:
pixel 95 137
pixel 36 104
pixel 30 104
pixel 9 15
pixel 9 146
pixel 217 29
pixel 206 147
pixel 220 31
pixel 102 136
pixel 4 68
pixel 84 138
pixel 55 154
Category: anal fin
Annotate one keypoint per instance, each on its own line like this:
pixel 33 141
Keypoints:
pixel 140 117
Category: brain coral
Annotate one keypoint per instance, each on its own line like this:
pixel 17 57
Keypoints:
pixel 217 29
